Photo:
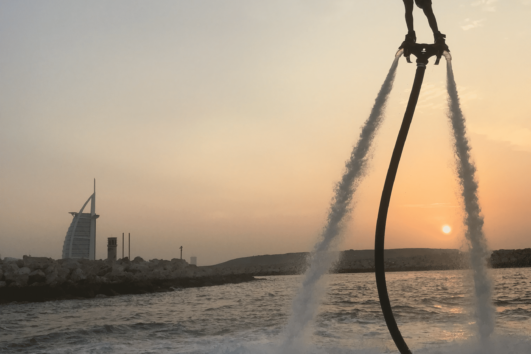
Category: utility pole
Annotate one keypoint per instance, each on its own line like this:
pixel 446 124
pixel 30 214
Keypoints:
pixel 181 252
pixel 129 246
pixel 122 245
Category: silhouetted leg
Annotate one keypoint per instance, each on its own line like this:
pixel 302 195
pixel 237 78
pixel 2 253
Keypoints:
pixel 428 11
pixel 409 14
pixel 438 37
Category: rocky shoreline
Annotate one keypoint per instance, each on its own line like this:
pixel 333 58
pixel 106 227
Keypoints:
pixel 398 260
pixel 43 279
pixel 511 258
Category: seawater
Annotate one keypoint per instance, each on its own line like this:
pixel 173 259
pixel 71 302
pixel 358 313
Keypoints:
pixel 435 312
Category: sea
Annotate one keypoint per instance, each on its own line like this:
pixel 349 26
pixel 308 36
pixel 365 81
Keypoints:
pixel 434 311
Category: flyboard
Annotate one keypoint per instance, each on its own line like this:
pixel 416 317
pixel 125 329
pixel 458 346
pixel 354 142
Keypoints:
pixel 423 52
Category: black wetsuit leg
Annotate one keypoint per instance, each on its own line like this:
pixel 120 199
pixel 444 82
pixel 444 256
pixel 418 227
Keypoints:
pixel 428 11
pixel 409 14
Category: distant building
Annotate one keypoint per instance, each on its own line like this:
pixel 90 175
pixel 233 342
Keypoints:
pixel 193 260
pixel 80 240
pixel 112 246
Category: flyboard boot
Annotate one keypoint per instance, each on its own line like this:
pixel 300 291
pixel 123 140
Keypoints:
pixel 440 44
pixel 424 51
pixel 408 44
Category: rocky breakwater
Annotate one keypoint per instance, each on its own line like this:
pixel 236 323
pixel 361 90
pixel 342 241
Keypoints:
pixel 350 261
pixel 41 279
pixel 511 258
pixel 401 260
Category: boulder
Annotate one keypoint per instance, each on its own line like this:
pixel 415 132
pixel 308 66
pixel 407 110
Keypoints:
pixel 120 277
pixel 24 270
pixel 10 271
pixel 141 276
pixel 69 263
pixel 117 268
pixel 37 276
pixel 138 267
pixel 52 277
pixel 35 263
pixel 160 274
pixel 103 269
pixel 62 275
pixel 22 277
pixel 77 275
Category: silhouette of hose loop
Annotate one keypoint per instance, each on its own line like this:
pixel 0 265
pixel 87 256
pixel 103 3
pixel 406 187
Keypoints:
pixel 379 239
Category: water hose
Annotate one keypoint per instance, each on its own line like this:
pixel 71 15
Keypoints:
pixel 422 52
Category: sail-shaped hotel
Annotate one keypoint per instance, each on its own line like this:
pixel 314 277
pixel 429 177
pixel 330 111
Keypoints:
pixel 80 240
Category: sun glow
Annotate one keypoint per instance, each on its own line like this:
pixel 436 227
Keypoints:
pixel 446 229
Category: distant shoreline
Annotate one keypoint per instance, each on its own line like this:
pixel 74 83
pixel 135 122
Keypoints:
pixel 43 279
pixel 362 261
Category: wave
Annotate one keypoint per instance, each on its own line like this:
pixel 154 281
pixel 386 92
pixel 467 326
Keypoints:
pixel 496 345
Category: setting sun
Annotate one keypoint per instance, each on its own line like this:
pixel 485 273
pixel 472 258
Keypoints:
pixel 446 229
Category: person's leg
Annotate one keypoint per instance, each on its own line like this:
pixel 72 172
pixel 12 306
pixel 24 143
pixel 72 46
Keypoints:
pixel 428 11
pixel 409 14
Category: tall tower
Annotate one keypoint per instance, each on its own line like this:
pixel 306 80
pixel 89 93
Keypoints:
pixel 80 240
pixel 93 218
pixel 112 245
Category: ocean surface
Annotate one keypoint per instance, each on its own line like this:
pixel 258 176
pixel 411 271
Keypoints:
pixel 434 311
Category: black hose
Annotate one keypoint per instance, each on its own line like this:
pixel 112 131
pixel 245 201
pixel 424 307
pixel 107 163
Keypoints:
pixel 384 207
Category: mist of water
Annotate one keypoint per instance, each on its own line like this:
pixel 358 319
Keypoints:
pixel 473 220
pixel 306 302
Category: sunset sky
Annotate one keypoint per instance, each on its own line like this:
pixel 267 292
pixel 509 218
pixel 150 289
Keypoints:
pixel 223 126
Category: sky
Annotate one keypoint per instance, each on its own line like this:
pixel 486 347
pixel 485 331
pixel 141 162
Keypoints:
pixel 223 126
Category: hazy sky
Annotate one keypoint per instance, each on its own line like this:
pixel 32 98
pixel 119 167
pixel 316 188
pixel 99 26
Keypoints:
pixel 222 126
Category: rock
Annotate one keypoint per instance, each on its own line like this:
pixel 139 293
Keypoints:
pixel 119 276
pixel 24 271
pixel 75 278
pixel 117 268
pixel 51 268
pixel 77 275
pixel 10 271
pixel 62 275
pixel 35 263
pixel 37 276
pixel 137 267
pixel 69 263
pixel 52 277
pixel 22 279
pixel 104 269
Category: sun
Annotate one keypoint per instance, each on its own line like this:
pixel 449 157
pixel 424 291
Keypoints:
pixel 446 229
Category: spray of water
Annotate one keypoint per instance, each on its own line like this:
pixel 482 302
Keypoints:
pixel 473 220
pixel 307 300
